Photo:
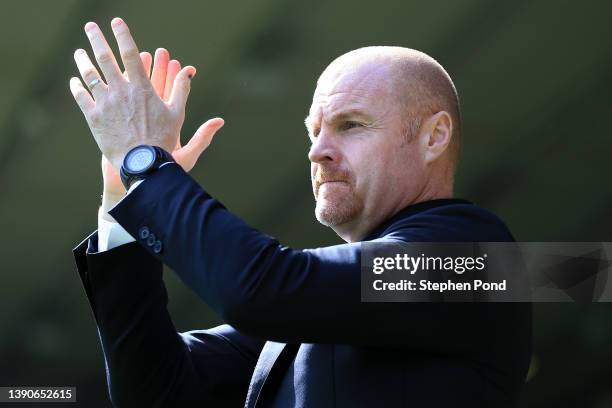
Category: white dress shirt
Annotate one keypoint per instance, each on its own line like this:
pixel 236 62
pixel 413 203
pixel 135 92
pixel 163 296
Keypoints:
pixel 111 234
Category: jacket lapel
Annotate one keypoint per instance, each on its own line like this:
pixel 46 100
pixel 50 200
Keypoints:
pixel 267 358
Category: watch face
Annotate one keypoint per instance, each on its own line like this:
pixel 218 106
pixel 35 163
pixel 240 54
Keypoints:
pixel 140 159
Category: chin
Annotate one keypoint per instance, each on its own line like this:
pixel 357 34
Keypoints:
pixel 332 214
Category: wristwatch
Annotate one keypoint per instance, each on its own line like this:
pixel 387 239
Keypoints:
pixel 141 161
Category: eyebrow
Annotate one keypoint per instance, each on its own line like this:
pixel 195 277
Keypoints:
pixel 340 116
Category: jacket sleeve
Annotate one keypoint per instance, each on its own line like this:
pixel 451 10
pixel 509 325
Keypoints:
pixel 271 291
pixel 149 363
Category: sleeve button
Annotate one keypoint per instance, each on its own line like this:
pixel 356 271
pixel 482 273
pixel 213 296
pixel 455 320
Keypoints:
pixel 151 239
pixel 158 247
pixel 143 232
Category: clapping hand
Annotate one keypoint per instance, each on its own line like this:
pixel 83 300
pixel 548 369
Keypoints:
pixel 131 108
pixel 124 111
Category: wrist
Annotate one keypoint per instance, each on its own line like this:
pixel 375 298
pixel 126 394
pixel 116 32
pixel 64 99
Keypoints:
pixel 112 187
pixel 109 200
pixel 117 158
pixel 117 161
pixel 142 161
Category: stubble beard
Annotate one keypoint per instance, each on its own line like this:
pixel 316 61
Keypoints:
pixel 337 205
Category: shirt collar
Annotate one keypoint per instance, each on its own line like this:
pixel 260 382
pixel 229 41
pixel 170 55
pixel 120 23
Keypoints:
pixel 410 210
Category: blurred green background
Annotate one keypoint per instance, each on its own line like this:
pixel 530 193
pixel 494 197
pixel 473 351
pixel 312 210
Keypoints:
pixel 534 79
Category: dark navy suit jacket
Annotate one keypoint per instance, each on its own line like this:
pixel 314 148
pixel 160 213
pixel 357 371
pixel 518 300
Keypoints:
pixel 297 334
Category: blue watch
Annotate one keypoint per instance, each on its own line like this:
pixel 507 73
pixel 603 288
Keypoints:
pixel 141 161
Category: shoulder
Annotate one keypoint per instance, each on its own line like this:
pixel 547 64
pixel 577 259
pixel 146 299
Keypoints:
pixel 451 222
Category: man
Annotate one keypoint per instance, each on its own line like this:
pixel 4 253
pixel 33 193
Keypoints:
pixel 384 126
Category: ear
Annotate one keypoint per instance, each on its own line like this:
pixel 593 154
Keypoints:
pixel 436 135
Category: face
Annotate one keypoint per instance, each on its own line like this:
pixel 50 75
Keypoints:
pixel 362 167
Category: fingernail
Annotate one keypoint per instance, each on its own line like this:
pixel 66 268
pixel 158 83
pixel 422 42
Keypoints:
pixel 90 26
pixel 116 22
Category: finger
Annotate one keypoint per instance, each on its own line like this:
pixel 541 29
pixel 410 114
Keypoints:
pixel 81 96
pixel 173 69
pixel 129 52
pixel 146 59
pixel 103 53
pixel 188 155
pixel 181 88
pixel 160 70
pixel 90 74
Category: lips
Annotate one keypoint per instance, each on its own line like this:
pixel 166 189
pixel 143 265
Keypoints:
pixel 320 183
pixel 325 175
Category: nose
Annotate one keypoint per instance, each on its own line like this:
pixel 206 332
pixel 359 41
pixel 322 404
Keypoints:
pixel 323 150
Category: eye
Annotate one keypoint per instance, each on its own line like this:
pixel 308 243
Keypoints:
pixel 349 124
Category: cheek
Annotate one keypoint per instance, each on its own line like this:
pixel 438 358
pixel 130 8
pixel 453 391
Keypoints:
pixel 383 172
pixel 406 172
pixel 363 163
pixel 409 162
pixel 366 175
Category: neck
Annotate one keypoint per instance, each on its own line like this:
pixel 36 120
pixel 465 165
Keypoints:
pixel 353 231
pixel 357 229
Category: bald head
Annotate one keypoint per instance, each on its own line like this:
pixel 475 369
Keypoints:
pixel 384 128
pixel 419 84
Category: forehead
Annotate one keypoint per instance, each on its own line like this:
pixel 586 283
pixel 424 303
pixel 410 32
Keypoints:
pixel 365 88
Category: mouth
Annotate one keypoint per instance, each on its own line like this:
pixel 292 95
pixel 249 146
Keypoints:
pixel 330 182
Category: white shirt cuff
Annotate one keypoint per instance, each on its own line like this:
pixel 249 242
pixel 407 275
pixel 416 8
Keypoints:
pixel 111 234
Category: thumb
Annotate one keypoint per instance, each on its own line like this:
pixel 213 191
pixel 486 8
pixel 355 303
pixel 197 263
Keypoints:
pixel 188 155
pixel 181 88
